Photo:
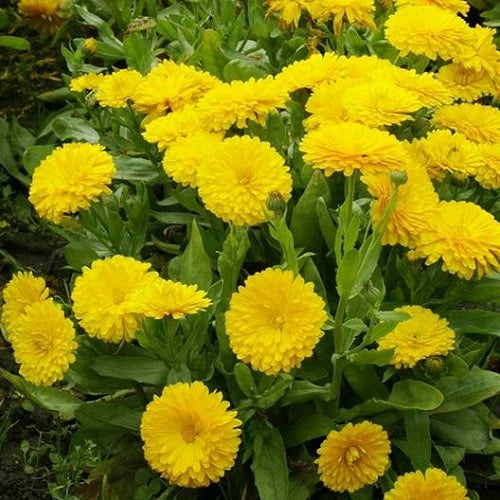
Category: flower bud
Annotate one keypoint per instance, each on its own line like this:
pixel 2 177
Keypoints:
pixel 90 45
pixel 399 177
pixel 276 203
pixel 434 365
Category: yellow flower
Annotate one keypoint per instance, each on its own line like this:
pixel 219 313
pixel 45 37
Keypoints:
pixel 288 10
pixel 326 105
pixel 236 182
pixel 43 343
pixel 237 102
pixel 416 201
pixel 165 130
pixel 168 298
pixel 312 71
pixel 353 457
pixel 368 68
pixel 434 485
pixel 184 157
pixel 421 336
pixel 355 11
pixel 42 15
pixel 488 175
pixel 102 297
pixel 464 236
pixel 455 6
pixel 89 81
pixel 481 53
pixel 441 152
pixel 274 321
pixel 379 103
pixel 20 292
pixel 118 88
pixel 428 31
pixel 344 147
pixel 190 436
pixel 69 179
pixel 90 45
pixel 465 84
pixel 477 122
pixel 171 86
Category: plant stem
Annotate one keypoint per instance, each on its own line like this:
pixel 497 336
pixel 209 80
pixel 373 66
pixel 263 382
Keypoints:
pixel 338 365
pixel 351 189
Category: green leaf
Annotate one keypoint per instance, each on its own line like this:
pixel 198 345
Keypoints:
pixel 79 255
pixel 74 128
pixel 210 53
pixel 244 379
pixel 270 396
pixel 308 427
pixel 414 395
pixel 117 415
pixel 138 52
pixel 450 455
pixel 418 437
pixel 464 428
pixel 347 272
pixel 474 321
pixel 303 390
pixel 142 370
pixel 135 169
pixel 326 225
pixel 49 398
pixel 33 156
pixel 269 465
pixel 14 42
pixel 466 391
pixel 365 381
pixel 195 263
pixel 372 357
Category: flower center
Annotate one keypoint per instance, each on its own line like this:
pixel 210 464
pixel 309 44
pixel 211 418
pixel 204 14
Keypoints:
pixel 189 432
pixel 277 321
pixel 352 455
pixel 245 180
pixel 42 344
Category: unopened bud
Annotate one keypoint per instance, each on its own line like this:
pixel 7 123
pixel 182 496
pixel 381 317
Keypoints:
pixel 90 45
pixel 276 203
pixel 399 177
pixel 434 365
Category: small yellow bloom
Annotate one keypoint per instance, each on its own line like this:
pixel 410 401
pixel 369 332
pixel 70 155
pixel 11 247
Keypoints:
pixel 455 6
pixel 464 236
pixel 274 321
pixel 236 183
pixel 102 297
pixel 344 147
pixel 428 31
pixel 190 436
pixel 69 179
pixel 89 81
pixel 477 122
pixel 21 291
pixel 353 457
pixel 488 175
pixel 185 156
pixel 237 102
pixel 465 84
pixel 90 45
pixel 162 298
pixel 432 485
pixel 326 105
pixel 482 53
pixel 42 15
pixel 118 88
pixel 289 11
pixel 43 343
pixel 421 336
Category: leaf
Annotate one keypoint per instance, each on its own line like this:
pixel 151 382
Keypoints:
pixel 308 427
pixel 464 428
pixel 414 395
pixel 142 370
pixel 49 398
pixel 347 272
pixel 418 437
pixel 33 156
pixel 101 415
pixel 244 379
pixel 466 391
pixel 135 169
pixel 269 466
pixel 326 225
pixel 365 381
pixel 474 321
pixel 138 52
pixel 450 455
pixel 79 255
pixel 372 357
pixel 14 42
pixel 74 128
pixel 303 390
pixel 195 263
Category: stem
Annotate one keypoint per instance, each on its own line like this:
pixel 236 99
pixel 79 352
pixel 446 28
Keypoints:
pixel 338 365
pixel 140 393
pixel 351 189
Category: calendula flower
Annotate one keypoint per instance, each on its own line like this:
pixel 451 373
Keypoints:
pixel 190 436
pixel 367 68
pixel 431 485
pixel 69 179
pixel 162 298
pixel 236 182
pixel 359 12
pixel 442 151
pixel 465 84
pixel 42 15
pixel 89 81
pixel 21 291
pixel 43 343
pixel 421 336
pixel 488 174
pixel 428 31
pixel 353 457
pixel 118 88
pixel 326 105
pixel 344 147
pixel 171 86
pixel 237 102
pixel 481 53
pixel 102 297
pixel 416 201
pixel 311 72
pixel 379 103
pixel 184 157
pixel 274 321
pixel 477 122
pixel 165 130
pixel 90 45
pixel 464 236
pixel 289 11
pixel 455 6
